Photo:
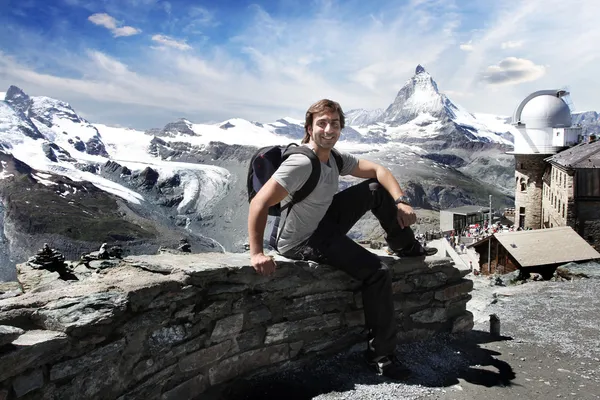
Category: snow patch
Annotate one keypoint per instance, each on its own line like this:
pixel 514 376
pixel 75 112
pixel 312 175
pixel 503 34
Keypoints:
pixel 40 179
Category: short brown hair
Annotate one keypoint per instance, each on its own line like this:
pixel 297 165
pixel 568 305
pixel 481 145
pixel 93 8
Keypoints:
pixel 318 108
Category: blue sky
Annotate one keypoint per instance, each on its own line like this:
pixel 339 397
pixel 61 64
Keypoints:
pixel 143 63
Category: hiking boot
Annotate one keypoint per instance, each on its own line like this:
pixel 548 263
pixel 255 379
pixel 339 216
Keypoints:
pixel 415 249
pixel 387 366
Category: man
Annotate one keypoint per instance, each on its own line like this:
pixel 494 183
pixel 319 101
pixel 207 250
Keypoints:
pixel 315 228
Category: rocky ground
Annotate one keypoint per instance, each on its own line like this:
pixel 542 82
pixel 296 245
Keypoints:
pixel 549 348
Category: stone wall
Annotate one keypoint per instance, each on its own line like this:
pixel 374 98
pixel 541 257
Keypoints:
pixel 558 199
pixel 529 169
pixel 173 326
pixel 588 226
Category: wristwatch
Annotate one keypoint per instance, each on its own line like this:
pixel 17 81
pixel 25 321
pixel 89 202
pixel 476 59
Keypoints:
pixel 403 199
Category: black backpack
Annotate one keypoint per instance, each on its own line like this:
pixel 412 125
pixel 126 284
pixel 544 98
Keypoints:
pixel 265 162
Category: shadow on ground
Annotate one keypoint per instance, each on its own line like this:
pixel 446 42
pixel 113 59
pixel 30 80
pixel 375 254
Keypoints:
pixel 436 363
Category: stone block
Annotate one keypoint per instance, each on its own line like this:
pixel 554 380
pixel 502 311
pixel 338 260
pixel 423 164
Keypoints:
pixel 151 387
pixel 165 337
pixel 252 360
pixel 411 302
pixel 455 290
pixel 295 348
pixel 354 318
pixel 302 329
pixel 259 315
pixel 143 322
pixel 317 304
pixel 83 315
pixel 250 339
pixel 28 382
pixel 406 266
pixel 32 349
pixel 402 287
pixel 429 281
pixel 227 327
pixel 176 296
pixel 39 280
pixel 203 357
pixel 189 389
pixel 187 347
pixel 226 288
pixel 429 315
pixel 10 289
pixel 73 367
pixel 9 333
pixel 463 323
pixel 457 307
pixel 335 341
pixel 215 310
pixel 145 367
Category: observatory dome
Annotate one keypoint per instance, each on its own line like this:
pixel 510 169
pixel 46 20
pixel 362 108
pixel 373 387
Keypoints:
pixel 546 111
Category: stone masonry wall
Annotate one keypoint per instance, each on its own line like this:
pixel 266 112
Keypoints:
pixel 589 222
pixel 530 169
pixel 174 326
pixel 558 199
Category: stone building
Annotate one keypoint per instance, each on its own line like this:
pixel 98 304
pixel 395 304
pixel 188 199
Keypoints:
pixel 571 191
pixel 543 122
pixel 557 171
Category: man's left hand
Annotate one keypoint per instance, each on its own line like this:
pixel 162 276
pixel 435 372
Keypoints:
pixel 406 215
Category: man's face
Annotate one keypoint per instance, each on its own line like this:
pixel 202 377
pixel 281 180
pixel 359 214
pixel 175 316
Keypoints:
pixel 326 129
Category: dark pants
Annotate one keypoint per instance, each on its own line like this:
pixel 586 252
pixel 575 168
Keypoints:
pixel 329 244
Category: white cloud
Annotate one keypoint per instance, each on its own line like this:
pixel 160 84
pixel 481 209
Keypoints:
pixel 167 7
pixel 513 70
pixel 170 42
pixel 274 65
pixel 110 23
pixel 511 44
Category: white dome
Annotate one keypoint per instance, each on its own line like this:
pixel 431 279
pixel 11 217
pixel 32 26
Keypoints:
pixel 546 111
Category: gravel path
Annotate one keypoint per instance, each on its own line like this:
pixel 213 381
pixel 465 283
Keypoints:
pixel 550 348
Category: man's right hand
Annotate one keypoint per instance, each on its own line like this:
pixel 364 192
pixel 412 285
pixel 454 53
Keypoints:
pixel 263 264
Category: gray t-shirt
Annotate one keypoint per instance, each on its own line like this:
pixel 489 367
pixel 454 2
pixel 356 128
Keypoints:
pixel 305 216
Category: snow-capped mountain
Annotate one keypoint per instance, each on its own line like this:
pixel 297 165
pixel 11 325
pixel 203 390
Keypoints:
pixel 420 113
pixel 358 117
pixel 589 121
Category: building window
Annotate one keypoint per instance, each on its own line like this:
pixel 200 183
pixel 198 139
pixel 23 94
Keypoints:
pixel 521 165
pixel 523 185
pixel 522 217
pixel 563 210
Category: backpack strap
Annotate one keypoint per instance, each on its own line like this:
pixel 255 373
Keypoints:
pixel 313 179
pixel 338 159
pixel 301 193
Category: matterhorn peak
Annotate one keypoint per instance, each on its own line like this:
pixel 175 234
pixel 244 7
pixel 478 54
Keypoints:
pixel 18 99
pixel 418 95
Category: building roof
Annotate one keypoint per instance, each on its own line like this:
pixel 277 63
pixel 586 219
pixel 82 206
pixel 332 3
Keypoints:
pixel 584 155
pixel 465 210
pixel 546 246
